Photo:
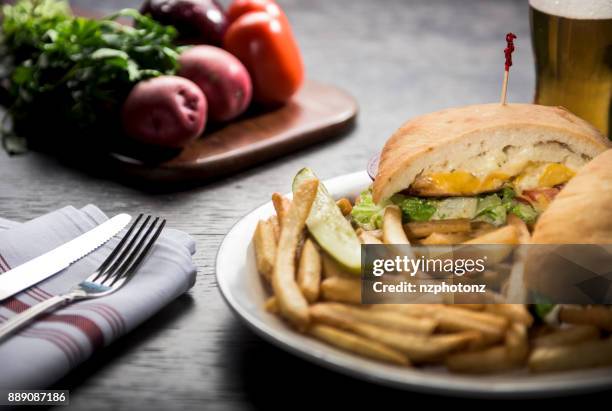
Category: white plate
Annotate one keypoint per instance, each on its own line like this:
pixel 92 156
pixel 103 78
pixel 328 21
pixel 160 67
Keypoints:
pixel 242 288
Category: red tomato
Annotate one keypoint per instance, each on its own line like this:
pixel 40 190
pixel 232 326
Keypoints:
pixel 240 7
pixel 265 44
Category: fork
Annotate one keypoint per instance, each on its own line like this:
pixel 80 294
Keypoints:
pixel 115 272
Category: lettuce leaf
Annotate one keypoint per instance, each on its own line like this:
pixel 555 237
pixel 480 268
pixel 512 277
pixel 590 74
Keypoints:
pixel 455 207
pixel 414 208
pixel 525 212
pixel 366 213
pixel 507 196
pixel 492 210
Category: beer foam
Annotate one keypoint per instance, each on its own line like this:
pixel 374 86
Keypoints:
pixel 575 9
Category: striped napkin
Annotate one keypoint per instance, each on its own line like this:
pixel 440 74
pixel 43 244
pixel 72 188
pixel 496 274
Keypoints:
pixel 48 349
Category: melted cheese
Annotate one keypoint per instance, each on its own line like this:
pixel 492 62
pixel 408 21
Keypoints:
pixel 463 183
pixel 542 176
pixel 555 174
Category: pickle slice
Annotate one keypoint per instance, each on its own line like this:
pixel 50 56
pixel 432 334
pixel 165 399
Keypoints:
pixel 330 228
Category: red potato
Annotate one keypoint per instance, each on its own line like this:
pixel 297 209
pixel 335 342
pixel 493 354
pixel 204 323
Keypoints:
pixel 221 76
pixel 167 111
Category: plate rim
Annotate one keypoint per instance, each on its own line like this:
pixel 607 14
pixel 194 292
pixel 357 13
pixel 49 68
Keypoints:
pixel 537 386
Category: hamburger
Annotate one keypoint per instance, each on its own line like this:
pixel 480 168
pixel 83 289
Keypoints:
pixel 480 162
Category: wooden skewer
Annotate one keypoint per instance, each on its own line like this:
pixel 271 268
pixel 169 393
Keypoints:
pixel 504 87
pixel 508 53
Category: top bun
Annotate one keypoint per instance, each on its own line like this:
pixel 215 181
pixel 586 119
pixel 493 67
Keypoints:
pixel 492 142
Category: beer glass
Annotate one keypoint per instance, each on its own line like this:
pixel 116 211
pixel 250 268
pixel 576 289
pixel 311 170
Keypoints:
pixel 572 44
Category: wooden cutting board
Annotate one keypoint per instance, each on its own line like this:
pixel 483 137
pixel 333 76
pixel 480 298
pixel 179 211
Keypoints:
pixel 317 113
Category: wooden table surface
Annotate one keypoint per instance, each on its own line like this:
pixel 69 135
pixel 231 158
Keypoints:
pixel 400 59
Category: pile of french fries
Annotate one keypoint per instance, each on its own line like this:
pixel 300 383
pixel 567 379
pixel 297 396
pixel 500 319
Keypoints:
pixel 317 297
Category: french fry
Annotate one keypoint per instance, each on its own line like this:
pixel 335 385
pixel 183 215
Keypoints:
pixel 344 204
pixel 491 360
pixel 340 289
pixel 445 239
pixel 450 319
pixel 281 205
pixel 521 228
pixel 482 317
pixel 387 320
pixel 309 271
pixel 480 228
pixel 291 302
pixel 516 343
pixel 567 336
pixel 597 315
pixel 332 269
pixel 366 238
pixel 376 233
pixel 587 354
pixel 418 347
pixel 471 307
pixel 422 229
pixel 515 289
pixel 490 277
pixel 513 312
pixel 505 235
pixel 451 323
pixel 276 226
pixel 438 310
pixel 480 299
pixel 271 305
pixel 264 242
pixel 393 231
pixel 357 344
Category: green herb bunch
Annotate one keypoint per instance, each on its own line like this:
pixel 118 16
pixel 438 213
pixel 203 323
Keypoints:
pixel 66 77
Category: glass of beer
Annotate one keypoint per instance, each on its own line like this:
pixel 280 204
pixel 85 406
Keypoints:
pixel 572 44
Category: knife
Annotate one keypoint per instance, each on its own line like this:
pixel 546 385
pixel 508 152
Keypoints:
pixel 54 261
